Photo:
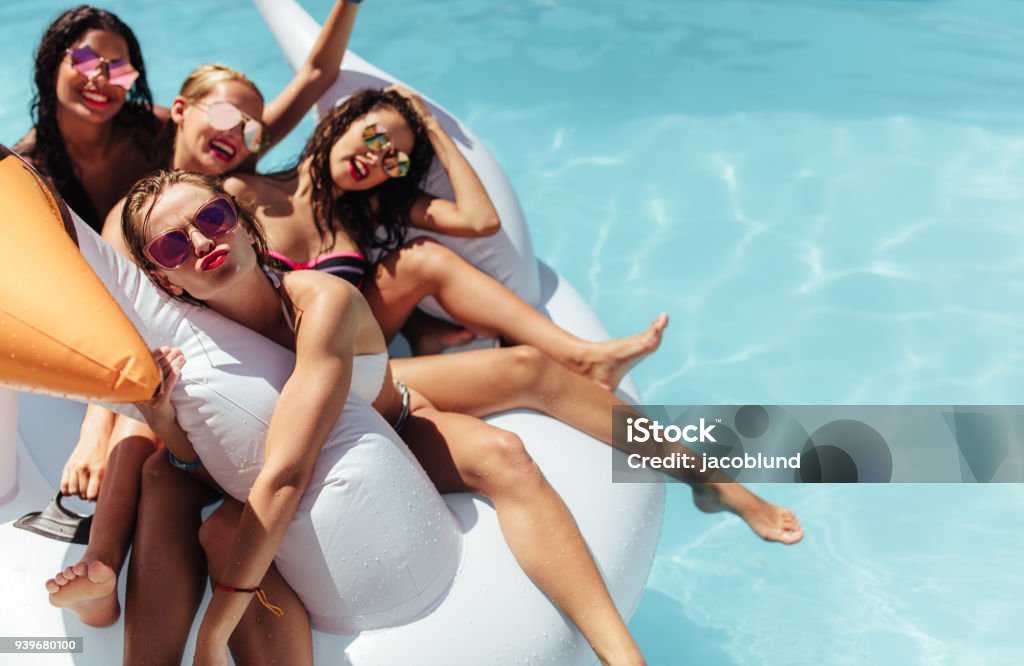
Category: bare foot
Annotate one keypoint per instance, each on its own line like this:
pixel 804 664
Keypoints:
pixel 608 362
pixel 769 521
pixel 89 590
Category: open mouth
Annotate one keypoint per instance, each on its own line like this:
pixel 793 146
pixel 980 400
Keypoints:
pixel 222 150
pixel 95 99
pixel 213 260
pixel 358 169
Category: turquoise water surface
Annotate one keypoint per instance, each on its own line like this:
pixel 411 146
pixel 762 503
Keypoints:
pixel 826 197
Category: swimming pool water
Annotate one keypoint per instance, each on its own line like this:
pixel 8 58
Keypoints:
pixel 826 198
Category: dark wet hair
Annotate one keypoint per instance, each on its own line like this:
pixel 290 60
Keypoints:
pixel 49 153
pixel 144 194
pixel 359 213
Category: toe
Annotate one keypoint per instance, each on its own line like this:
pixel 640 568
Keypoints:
pixel 80 568
pixel 100 572
pixel 51 586
pixel 60 579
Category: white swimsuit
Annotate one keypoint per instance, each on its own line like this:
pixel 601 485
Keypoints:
pixel 371 545
pixel 368 370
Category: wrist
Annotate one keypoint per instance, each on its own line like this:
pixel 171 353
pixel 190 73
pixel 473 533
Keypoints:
pixel 212 633
pixel 158 423
pixel 431 124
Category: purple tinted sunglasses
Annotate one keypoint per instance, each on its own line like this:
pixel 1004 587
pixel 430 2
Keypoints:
pixel 216 218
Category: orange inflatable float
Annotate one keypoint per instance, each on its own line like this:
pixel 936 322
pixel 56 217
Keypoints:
pixel 60 330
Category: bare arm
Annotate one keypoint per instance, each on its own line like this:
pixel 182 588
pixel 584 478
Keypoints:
pixel 472 213
pixel 310 404
pixel 83 472
pixel 317 74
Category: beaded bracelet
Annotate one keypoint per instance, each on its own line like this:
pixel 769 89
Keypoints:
pixel 181 464
pixel 277 611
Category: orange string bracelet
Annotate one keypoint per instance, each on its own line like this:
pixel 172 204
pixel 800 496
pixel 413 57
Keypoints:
pixel 277 611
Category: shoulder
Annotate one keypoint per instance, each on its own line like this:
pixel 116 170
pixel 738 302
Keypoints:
pixel 26 145
pixel 237 183
pixel 241 182
pixel 262 187
pixel 330 311
pixel 316 290
pixel 112 228
pixel 250 189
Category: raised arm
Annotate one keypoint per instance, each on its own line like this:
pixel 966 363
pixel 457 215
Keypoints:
pixel 315 76
pixel 472 213
pixel 310 404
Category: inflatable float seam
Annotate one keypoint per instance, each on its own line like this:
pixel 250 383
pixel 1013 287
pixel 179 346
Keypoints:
pixel 186 381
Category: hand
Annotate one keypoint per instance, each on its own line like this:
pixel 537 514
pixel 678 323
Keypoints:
pixel 418 105
pixel 159 408
pixel 84 470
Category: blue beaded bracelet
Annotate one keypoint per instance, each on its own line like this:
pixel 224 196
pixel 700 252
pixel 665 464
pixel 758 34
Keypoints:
pixel 183 466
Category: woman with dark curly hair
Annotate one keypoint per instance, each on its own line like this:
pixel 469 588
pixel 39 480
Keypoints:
pixel 95 129
pixel 354 195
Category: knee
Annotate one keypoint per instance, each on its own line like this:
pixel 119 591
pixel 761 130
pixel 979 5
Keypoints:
pixel 425 258
pixel 156 469
pixel 504 464
pixel 524 365
pixel 218 531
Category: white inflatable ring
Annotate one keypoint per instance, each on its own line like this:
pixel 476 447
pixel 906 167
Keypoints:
pixel 491 613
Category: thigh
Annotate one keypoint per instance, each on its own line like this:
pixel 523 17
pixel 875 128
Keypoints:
pixel 126 429
pixel 452 448
pixel 477 383
pixel 398 284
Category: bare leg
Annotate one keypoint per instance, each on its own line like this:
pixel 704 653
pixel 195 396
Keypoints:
pixel 465 383
pixel 461 453
pixel 167 571
pixel 423 268
pixel 89 588
pixel 260 638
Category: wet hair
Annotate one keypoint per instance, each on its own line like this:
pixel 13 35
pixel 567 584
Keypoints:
pixel 359 213
pixel 49 153
pixel 205 78
pixel 144 194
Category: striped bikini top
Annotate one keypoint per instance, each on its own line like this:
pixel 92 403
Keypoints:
pixel 351 266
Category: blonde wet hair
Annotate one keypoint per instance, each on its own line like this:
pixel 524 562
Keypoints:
pixel 203 79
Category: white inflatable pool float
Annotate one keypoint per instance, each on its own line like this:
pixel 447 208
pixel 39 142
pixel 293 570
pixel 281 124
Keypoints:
pixel 489 612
